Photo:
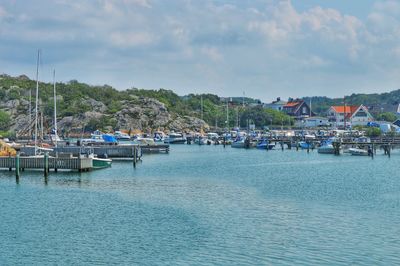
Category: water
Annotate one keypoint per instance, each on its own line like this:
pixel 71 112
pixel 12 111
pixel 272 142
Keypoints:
pixel 206 205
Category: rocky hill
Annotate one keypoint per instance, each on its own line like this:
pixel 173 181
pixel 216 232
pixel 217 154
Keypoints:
pixel 84 108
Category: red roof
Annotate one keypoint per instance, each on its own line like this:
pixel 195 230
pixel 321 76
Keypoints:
pixel 292 104
pixel 349 109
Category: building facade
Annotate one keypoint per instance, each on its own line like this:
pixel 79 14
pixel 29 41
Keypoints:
pixel 276 105
pixel 298 109
pixel 348 116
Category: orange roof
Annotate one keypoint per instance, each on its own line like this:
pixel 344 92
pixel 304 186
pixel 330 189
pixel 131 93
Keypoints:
pixel 291 104
pixel 349 110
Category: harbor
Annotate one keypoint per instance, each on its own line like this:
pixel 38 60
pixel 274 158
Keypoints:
pixel 202 203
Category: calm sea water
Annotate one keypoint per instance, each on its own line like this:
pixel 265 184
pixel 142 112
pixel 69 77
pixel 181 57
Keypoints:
pixel 206 205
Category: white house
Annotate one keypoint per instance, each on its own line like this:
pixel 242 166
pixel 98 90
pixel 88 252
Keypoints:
pixel 355 115
pixel 276 105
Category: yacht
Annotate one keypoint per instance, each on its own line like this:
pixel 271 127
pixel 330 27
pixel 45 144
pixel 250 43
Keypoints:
pixel 119 135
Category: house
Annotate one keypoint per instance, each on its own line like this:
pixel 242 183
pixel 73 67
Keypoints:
pixel 298 108
pixel 353 115
pixel 276 105
pixel 314 121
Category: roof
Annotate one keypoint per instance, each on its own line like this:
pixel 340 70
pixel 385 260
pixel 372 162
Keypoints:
pixel 346 109
pixel 292 104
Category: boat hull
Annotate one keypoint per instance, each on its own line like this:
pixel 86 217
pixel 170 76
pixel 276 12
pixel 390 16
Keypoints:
pixel 99 163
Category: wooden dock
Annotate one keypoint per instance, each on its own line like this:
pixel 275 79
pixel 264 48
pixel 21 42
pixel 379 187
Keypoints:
pixel 46 163
pixel 111 151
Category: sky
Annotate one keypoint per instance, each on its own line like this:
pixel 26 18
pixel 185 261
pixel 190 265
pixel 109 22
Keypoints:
pixel 261 48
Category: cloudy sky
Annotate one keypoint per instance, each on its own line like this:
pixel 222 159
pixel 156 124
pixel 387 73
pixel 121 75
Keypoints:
pixel 266 48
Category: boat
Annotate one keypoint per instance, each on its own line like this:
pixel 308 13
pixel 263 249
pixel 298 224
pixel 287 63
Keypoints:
pixel 242 142
pixel 264 144
pixel 358 152
pixel 159 136
pixel 238 143
pixel 326 149
pixel 175 138
pixel 304 145
pixel 119 135
pixel 99 163
pixel 99 138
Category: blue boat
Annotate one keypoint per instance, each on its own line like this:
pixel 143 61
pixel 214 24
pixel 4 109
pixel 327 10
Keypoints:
pixel 264 144
pixel 304 145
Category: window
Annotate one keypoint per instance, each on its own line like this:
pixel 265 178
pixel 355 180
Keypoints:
pixel 361 113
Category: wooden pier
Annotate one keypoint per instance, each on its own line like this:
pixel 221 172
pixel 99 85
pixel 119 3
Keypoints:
pixel 111 151
pixel 45 162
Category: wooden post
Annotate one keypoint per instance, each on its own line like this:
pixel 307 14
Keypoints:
pixel 17 167
pixel 46 164
pixel 297 145
pixel 134 157
pixel 389 148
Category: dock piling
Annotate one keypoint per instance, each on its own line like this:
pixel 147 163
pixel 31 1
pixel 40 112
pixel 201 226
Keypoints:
pixel 17 167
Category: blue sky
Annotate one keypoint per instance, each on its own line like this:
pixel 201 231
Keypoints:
pixel 265 48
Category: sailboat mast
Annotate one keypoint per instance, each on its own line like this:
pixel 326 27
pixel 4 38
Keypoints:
pixel 227 114
pixel 30 114
pixel 37 100
pixel 55 107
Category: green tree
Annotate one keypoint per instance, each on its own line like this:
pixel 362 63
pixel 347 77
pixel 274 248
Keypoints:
pixel 386 116
pixel 5 120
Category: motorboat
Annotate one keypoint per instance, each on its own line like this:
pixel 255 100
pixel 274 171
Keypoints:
pixel 358 152
pixel 119 135
pixel 99 138
pixel 304 145
pixel 327 147
pixel 159 136
pixel 175 138
pixel 265 144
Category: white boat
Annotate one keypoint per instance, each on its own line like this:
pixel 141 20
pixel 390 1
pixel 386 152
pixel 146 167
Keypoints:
pixel 119 135
pixel 326 149
pixel 358 152
pixel 240 143
pixel 175 138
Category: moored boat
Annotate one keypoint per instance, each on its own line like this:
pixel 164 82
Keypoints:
pixel 358 152
pixel 175 138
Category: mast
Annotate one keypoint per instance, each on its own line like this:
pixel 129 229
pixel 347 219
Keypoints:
pixel 37 100
pixel 55 107
pixel 310 107
pixel 227 114
pixel 30 114
pixel 345 113
pixel 201 103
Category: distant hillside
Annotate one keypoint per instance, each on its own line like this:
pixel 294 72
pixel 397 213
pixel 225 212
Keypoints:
pixel 377 103
pixel 82 107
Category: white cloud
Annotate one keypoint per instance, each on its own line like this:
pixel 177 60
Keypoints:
pixel 269 42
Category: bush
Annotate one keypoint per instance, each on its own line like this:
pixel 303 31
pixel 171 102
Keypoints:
pixel 373 132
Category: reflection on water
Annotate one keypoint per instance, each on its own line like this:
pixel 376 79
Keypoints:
pixel 207 205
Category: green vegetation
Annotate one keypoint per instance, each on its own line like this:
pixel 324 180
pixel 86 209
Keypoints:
pixel 373 132
pixel 5 120
pixel 386 116
pixel 76 100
